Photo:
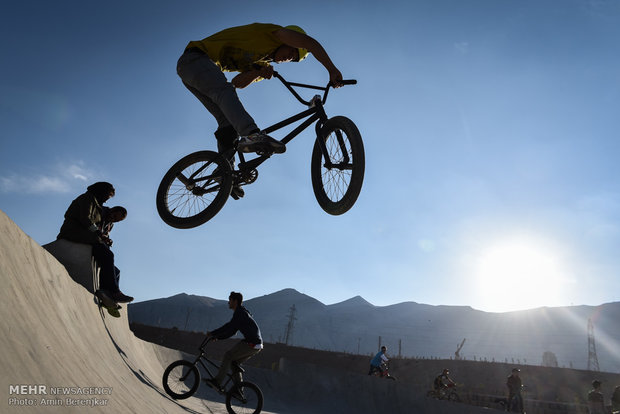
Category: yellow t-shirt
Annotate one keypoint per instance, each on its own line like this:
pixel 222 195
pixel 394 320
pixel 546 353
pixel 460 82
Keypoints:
pixel 238 49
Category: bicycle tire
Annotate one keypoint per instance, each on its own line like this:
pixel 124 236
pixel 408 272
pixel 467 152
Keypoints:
pixel 337 189
pixel 183 207
pixel 252 403
pixel 177 388
pixel 453 396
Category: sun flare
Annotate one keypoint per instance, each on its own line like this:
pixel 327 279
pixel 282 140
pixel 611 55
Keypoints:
pixel 518 274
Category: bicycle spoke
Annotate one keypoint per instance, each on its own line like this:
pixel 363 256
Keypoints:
pixel 336 179
pixel 179 381
pixel 186 198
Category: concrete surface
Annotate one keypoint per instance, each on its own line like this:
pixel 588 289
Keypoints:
pixel 54 337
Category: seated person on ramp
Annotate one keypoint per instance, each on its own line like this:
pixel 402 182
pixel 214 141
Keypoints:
pixel 82 224
pixel 248 49
pixel 380 358
pixel 250 345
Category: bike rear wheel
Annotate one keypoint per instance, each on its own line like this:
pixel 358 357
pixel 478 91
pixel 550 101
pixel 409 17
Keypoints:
pixel 181 379
pixel 453 397
pixel 194 189
pixel 250 400
pixel 337 176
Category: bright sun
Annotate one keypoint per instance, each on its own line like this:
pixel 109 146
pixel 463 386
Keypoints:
pixel 518 274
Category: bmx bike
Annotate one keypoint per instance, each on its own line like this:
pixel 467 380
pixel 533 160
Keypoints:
pixel 182 378
pixel 447 393
pixel 383 372
pixel 196 187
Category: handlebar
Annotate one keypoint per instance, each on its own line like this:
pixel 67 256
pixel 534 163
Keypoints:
pixel 348 82
pixel 206 341
pixel 325 89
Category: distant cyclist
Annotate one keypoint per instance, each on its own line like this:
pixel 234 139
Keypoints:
pixel 378 360
pixel 514 384
pixel 250 50
pixel 596 402
pixel 441 382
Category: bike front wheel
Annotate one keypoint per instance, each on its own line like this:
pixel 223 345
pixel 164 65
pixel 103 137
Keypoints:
pixel 337 169
pixel 181 379
pixel 194 189
pixel 246 399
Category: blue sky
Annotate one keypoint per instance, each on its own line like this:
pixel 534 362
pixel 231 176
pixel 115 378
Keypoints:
pixel 490 129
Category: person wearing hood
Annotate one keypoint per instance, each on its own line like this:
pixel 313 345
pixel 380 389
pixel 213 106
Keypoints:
pixel 82 224
pixel 250 345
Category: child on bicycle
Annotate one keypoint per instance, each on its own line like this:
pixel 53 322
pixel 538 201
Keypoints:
pixel 250 50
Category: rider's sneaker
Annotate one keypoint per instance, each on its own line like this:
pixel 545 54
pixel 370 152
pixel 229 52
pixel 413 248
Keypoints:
pixel 260 142
pixel 120 297
pixel 212 382
pixel 114 312
pixel 237 192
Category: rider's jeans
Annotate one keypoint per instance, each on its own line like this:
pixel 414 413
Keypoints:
pixel 239 353
pixel 207 82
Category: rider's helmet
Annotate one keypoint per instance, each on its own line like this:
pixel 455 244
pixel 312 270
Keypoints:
pixel 446 371
pixel 384 348
pixel 302 52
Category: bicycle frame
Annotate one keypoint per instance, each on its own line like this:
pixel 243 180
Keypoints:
pixel 314 113
pixel 203 356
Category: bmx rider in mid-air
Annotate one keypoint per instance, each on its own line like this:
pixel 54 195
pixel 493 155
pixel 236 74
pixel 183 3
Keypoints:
pixel 250 50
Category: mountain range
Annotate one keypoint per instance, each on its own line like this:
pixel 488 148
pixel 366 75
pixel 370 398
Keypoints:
pixel 409 329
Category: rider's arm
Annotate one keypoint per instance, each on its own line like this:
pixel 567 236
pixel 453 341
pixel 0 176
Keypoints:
pixel 227 330
pixel 245 78
pixel 300 40
pixel 384 358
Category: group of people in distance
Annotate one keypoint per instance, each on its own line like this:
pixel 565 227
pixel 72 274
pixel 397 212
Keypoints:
pixel 441 382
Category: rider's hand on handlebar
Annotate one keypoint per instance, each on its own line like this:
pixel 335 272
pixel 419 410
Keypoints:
pixel 335 77
pixel 266 72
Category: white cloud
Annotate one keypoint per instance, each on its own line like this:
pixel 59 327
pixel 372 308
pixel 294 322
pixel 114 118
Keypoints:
pixel 62 178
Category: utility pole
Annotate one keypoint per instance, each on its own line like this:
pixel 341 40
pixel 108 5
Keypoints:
pixel 592 358
pixel 400 348
pixel 290 326
pixel 189 311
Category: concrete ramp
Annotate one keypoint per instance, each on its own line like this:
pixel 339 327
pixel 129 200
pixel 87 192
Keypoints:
pixel 60 353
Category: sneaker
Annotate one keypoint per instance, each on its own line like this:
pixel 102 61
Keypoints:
pixel 260 142
pixel 120 297
pixel 105 298
pixel 237 192
pixel 114 312
pixel 212 382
